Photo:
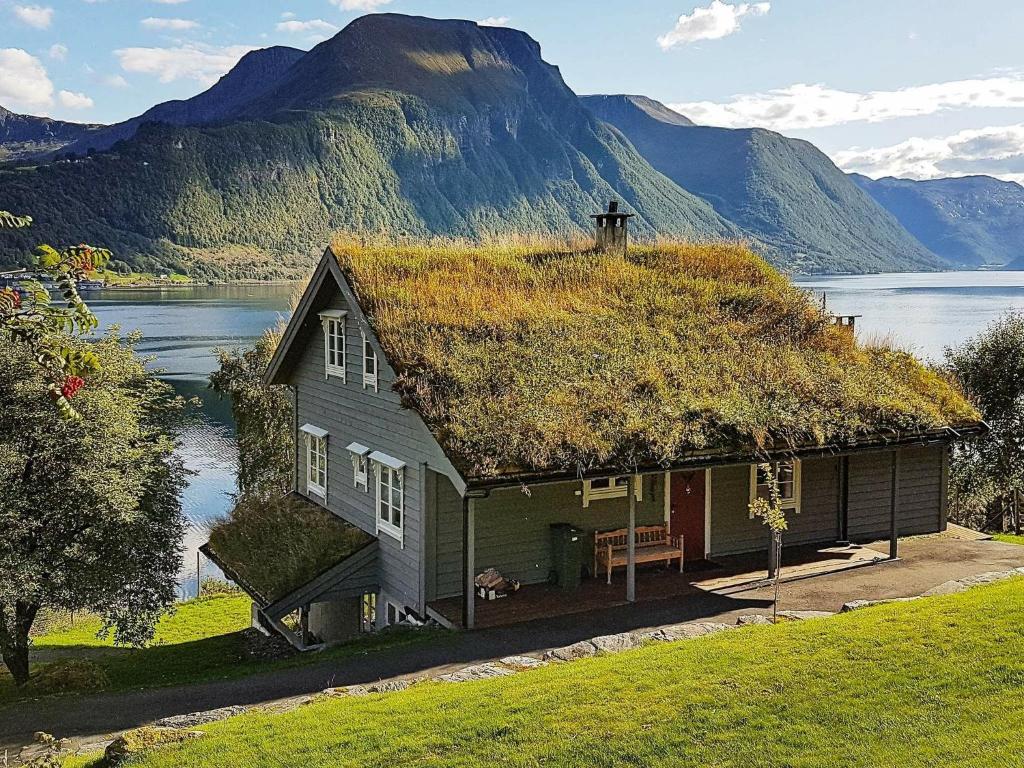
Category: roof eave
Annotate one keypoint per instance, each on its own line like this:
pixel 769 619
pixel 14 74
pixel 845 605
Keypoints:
pixel 705 459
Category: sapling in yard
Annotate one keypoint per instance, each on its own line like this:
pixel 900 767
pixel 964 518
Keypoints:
pixel 770 511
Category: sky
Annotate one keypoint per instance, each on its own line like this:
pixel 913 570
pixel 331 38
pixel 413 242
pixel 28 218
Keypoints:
pixel 911 88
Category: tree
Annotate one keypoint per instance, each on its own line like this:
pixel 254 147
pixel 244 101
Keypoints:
pixel 36 322
pixel 769 510
pixel 987 473
pixel 263 418
pixel 90 513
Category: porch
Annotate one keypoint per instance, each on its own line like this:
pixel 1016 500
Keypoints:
pixel 721 581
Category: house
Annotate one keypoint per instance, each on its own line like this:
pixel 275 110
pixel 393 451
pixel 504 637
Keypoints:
pixel 453 403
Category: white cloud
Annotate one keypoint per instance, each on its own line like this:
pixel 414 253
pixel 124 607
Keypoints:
pixel 74 100
pixel 58 52
pixel 36 16
pixel 816 106
pixel 996 151
pixel 114 81
pixel 288 15
pixel 359 5
pixel 313 27
pixel 494 21
pixel 166 2
pixel 716 21
pixel 177 25
pixel 25 84
pixel 193 62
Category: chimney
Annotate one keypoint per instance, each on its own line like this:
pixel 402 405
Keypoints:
pixel 612 229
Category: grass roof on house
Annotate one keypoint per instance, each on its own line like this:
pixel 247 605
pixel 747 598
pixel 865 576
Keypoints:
pixel 528 358
pixel 271 548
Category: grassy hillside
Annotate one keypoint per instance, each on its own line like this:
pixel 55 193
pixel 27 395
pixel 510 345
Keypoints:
pixel 934 682
pixel 972 221
pixel 781 191
pixel 457 130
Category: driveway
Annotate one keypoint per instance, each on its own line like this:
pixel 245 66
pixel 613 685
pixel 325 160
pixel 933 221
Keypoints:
pixel 926 562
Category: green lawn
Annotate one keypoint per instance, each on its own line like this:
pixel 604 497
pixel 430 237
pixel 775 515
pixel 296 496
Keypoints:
pixel 1008 538
pixel 933 682
pixel 198 642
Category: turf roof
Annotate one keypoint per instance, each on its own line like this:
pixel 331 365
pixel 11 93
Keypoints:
pixel 271 548
pixel 527 357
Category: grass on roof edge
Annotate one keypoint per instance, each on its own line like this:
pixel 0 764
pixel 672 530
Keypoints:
pixel 275 546
pixel 526 355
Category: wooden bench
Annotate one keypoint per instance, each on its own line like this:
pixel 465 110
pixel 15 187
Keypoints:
pixel 653 544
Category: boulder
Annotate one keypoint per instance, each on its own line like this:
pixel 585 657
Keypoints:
pixel 193 719
pixel 854 605
pixel 684 631
pixel 804 615
pixel 476 672
pixel 753 618
pixel 522 662
pixel 132 743
pixel 616 643
pixel 579 650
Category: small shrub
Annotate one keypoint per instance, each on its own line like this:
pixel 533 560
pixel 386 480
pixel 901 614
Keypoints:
pixel 211 585
pixel 68 676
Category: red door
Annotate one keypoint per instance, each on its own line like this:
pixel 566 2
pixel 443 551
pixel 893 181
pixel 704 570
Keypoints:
pixel 687 506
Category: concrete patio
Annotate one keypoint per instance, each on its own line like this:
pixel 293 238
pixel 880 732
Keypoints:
pixel 925 563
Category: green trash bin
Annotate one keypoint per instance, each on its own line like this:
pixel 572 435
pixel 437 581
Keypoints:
pixel 567 555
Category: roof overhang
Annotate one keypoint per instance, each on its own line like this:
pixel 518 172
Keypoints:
pixel 705 459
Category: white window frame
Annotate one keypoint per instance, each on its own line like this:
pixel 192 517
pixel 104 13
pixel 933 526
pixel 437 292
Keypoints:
pixel 360 465
pixel 370 379
pixel 316 447
pixel 333 321
pixel 390 473
pixel 791 503
pixel 617 488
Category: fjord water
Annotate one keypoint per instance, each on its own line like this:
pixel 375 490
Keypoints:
pixel 922 312
pixel 181 328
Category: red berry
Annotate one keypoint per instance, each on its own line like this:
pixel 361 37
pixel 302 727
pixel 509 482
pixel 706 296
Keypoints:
pixel 71 386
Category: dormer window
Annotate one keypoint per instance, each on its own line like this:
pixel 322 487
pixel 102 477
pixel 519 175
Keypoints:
pixel 333 321
pixel 369 365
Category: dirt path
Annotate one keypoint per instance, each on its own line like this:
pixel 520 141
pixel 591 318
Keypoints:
pixel 926 563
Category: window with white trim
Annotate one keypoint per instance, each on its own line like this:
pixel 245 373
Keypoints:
pixel 360 465
pixel 390 474
pixel 610 488
pixel 369 365
pixel 333 321
pixel 316 460
pixel 787 475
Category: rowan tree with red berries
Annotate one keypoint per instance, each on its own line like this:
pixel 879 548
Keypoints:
pixel 29 315
pixel 90 510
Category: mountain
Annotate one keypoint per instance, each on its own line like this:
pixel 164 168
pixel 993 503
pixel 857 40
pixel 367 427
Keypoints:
pixel 25 136
pixel 398 124
pixel 973 221
pixel 783 192
pixel 250 78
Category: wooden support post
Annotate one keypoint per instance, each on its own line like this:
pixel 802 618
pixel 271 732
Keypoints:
pixel 469 561
pixel 631 543
pixel 894 498
pixel 844 500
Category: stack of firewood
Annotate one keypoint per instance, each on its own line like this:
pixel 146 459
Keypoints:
pixel 491 585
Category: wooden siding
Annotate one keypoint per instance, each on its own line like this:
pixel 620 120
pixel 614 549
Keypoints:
pixel 513 529
pixel 818 521
pixel 919 509
pixel 351 413
pixel 732 529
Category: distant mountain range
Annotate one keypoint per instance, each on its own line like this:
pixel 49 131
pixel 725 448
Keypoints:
pixel 417 126
pixel 973 221
pixel 23 137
